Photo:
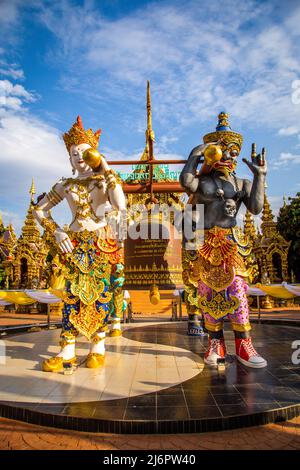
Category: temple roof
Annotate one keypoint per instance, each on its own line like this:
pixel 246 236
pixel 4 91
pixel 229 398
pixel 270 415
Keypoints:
pixel 30 231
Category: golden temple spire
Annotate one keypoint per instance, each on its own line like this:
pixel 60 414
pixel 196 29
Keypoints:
pixel 150 137
pixel 32 191
pixel 149 111
pixel 249 228
pixel 30 230
pixel 267 215
pixel 268 226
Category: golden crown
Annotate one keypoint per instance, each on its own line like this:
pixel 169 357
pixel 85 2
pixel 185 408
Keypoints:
pixel 78 135
pixel 224 132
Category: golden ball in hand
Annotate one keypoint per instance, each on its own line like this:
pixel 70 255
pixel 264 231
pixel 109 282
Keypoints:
pixel 92 157
pixel 212 154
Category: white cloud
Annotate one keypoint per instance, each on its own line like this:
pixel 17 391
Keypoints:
pixel 286 158
pixel 9 12
pixel 276 202
pixel 29 147
pixel 12 97
pixel 11 217
pixel 16 74
pixel 10 69
pixel 198 63
pixel 287 131
pixel 27 141
pixel 199 56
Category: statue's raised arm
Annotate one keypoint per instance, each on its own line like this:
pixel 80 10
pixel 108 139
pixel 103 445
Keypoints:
pixel 254 192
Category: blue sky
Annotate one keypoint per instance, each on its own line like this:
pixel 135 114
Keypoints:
pixel 59 59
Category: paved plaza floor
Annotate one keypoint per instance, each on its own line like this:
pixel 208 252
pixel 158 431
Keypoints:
pixel 22 436
pixel 154 381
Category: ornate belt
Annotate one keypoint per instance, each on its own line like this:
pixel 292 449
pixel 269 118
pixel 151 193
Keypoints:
pixel 219 259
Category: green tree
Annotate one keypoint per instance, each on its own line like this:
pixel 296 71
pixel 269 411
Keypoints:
pixel 288 225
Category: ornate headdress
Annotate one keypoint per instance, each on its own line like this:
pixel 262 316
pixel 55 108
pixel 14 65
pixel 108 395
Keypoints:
pixel 78 135
pixel 224 132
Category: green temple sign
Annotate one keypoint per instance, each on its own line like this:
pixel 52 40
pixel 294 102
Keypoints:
pixel 141 172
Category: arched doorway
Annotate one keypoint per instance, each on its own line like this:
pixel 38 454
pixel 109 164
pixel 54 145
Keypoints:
pixel 277 267
pixel 24 272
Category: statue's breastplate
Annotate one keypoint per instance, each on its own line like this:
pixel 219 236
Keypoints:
pixel 83 195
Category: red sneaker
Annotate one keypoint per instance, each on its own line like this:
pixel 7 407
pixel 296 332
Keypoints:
pixel 247 355
pixel 216 350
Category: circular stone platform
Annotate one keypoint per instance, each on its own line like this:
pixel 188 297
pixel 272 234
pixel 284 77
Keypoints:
pixel 154 380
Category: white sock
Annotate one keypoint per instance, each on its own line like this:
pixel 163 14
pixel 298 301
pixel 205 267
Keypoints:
pixel 116 325
pixel 99 347
pixel 67 352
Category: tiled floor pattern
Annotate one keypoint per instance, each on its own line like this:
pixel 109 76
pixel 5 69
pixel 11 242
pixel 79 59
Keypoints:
pixel 195 393
pixel 132 367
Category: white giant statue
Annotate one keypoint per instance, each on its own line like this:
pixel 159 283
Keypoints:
pixel 89 250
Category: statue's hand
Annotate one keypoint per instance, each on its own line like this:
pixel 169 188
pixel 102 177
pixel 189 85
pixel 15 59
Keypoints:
pixel 63 241
pixel 258 165
pixel 200 149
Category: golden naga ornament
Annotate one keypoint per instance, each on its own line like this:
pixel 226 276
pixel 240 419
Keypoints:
pixel 87 272
pixel 219 306
pixel 87 321
pixel 216 277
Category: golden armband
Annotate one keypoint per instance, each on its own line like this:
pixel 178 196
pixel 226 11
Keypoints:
pixel 110 179
pixel 54 197
pixel 49 225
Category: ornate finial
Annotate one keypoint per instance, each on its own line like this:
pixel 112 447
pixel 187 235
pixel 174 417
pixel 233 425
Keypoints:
pixel 150 137
pixel 78 135
pixel 149 111
pixel 223 132
pixel 32 191
pixel 223 124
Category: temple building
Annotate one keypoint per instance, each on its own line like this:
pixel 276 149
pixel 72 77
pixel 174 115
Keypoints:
pixel 153 261
pixel 8 240
pixel 251 261
pixel 270 249
pixel 25 260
